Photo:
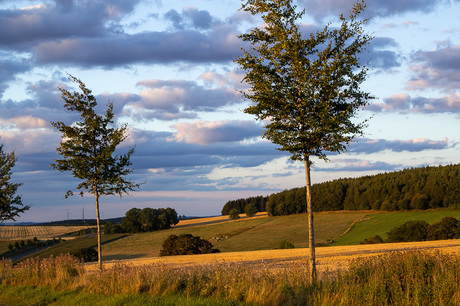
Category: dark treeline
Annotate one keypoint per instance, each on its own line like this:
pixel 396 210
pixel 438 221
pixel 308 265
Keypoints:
pixel 259 202
pixel 415 188
pixel 144 220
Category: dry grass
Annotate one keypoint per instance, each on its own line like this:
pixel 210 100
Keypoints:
pixel 218 219
pixel 329 259
pixel 41 232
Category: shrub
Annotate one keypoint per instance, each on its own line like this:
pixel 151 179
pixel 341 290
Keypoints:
pixel 234 214
pixel 110 228
pixel 409 231
pixel 285 245
pixel 186 244
pixel 447 228
pixel 372 240
pixel 86 254
pixel 250 210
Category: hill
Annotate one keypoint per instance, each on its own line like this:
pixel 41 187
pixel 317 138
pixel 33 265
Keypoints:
pixel 414 188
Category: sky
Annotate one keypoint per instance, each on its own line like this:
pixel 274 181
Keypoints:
pixel 168 67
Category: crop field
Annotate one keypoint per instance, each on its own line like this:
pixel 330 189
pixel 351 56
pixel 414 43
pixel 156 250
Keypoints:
pixel 41 232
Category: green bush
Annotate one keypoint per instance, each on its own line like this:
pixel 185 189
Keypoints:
pixel 409 231
pixel 186 244
pixel 86 254
pixel 372 240
pixel 285 245
pixel 250 210
pixel 447 228
pixel 234 214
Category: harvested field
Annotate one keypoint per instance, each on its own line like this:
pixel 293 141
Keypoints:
pixel 41 232
pixel 329 259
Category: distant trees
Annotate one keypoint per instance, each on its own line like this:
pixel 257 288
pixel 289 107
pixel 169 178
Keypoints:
pixel 144 220
pixel 250 210
pixel 415 188
pixel 239 204
pixel 186 244
pixel 88 148
pixel 10 202
pixel 234 214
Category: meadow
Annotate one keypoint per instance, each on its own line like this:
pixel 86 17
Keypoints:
pixel 41 232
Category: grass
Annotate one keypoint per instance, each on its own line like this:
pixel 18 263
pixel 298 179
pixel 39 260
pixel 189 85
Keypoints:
pixel 30 295
pixel 402 278
pixel 242 235
pixel 381 223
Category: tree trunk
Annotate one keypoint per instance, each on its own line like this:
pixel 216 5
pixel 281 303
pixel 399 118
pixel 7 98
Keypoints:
pixel 99 247
pixel 311 232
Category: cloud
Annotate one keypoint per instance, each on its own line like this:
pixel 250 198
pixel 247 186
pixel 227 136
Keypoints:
pixel 380 56
pixel 23 122
pixel 9 68
pixel 356 165
pixel 404 103
pixel 218 45
pixel 205 132
pixel 320 9
pixel 189 18
pixel 177 96
pixel 369 146
pixel 436 69
pixel 24 28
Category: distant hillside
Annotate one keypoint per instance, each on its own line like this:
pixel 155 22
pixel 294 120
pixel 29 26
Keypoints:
pixel 414 188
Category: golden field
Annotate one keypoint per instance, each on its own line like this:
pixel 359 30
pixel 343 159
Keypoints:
pixel 41 232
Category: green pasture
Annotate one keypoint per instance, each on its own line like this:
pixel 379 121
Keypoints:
pixel 380 223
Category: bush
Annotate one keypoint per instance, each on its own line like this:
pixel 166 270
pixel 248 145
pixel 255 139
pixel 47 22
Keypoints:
pixel 250 210
pixel 285 245
pixel 86 254
pixel 372 240
pixel 447 228
pixel 110 228
pixel 234 214
pixel 186 244
pixel 409 231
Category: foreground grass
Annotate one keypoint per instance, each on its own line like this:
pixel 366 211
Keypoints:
pixel 31 295
pixel 403 278
pixel 383 222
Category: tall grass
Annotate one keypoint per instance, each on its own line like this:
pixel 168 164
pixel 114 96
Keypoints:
pixel 411 278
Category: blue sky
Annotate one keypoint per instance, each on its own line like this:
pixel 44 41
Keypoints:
pixel 167 66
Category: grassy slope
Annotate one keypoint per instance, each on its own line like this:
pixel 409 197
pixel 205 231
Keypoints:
pixel 244 235
pixel 381 223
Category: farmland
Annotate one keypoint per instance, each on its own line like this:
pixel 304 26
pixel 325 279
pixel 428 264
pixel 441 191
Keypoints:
pixel 41 232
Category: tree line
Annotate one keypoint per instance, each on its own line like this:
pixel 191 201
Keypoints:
pixel 413 188
pixel 144 220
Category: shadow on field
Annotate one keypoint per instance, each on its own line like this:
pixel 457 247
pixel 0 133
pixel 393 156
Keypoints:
pixel 122 256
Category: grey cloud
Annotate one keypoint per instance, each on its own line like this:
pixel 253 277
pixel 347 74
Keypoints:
pixel 355 165
pixel 379 55
pixel 189 18
pixel 368 146
pixel 23 28
pixel 404 103
pixel 219 45
pixel 320 9
pixel 436 69
pixel 9 68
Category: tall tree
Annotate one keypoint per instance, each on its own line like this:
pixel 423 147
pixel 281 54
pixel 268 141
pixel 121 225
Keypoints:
pixel 88 150
pixel 305 87
pixel 10 203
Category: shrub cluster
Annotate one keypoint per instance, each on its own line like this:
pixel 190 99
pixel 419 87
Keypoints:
pixel 144 220
pixel 447 228
pixel 186 244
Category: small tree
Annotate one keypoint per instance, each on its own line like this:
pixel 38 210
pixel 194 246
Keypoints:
pixel 88 150
pixel 10 203
pixel 305 88
pixel 234 214
pixel 250 210
pixel 186 244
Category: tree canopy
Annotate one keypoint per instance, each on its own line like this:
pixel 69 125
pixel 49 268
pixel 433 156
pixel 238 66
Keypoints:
pixel 305 88
pixel 88 149
pixel 10 202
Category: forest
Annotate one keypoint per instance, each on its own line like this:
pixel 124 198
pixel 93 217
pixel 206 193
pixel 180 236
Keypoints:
pixel 412 188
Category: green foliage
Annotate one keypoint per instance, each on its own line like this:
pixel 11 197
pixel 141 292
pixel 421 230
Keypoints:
pixel 186 244
pixel 86 254
pixel 234 214
pixel 414 188
pixel 110 228
pixel 259 202
pixel 285 245
pixel 250 210
pixel 148 219
pixel 373 240
pixel 447 228
pixel 10 203
pixel 409 231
